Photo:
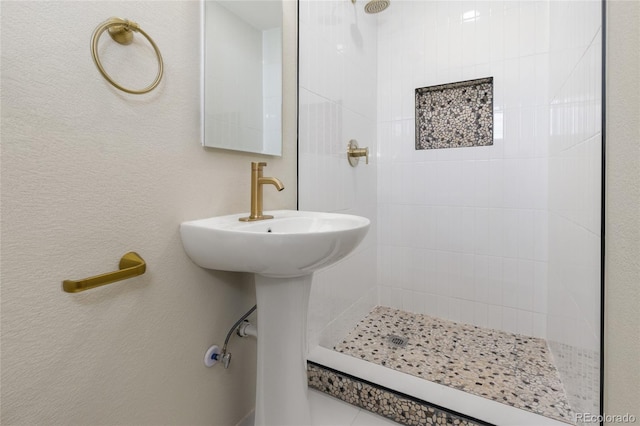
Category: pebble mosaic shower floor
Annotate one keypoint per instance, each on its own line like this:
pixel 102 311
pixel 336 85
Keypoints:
pixel 505 367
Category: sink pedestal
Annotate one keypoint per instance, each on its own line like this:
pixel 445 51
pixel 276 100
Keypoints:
pixel 282 253
pixel 281 388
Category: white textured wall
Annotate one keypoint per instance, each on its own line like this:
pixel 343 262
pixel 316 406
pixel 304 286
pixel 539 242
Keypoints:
pixel 463 232
pixel 338 103
pixel 89 173
pixel 622 242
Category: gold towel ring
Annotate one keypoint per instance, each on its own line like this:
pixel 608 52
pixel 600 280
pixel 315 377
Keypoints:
pixel 121 31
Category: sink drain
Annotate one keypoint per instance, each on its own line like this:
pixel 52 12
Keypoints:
pixel 397 341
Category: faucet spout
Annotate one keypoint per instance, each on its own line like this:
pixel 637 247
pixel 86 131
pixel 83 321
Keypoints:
pixel 273 181
pixel 257 181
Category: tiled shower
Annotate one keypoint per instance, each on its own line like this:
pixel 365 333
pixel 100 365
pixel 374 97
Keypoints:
pixel 503 237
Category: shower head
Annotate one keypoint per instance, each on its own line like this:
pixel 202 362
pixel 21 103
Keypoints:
pixel 375 6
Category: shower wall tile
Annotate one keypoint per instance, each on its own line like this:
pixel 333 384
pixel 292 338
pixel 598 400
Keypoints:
pixel 472 220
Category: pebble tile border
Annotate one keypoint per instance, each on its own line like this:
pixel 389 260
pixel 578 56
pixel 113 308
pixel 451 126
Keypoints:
pixel 455 115
pixel 397 407
pixel 509 368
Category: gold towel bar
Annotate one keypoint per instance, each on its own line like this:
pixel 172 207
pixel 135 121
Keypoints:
pixel 131 265
pixel 121 31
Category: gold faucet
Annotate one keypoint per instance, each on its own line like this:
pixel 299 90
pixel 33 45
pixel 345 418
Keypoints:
pixel 257 180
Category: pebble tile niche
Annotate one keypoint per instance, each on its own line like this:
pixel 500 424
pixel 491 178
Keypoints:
pixel 400 408
pixel 455 115
pixel 508 368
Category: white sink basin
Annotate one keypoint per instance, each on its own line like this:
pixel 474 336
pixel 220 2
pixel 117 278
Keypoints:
pixel 293 243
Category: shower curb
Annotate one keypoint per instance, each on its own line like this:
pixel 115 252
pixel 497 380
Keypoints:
pixel 396 406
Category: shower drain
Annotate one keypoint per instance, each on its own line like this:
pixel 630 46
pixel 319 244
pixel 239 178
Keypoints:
pixel 397 341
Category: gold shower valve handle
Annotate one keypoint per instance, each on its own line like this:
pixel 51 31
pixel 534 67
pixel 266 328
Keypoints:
pixel 354 153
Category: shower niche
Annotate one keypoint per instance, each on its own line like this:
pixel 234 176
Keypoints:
pixel 455 115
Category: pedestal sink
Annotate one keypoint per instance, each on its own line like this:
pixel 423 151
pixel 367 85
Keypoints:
pixel 283 253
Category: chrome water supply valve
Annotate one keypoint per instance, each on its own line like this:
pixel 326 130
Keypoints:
pixel 211 356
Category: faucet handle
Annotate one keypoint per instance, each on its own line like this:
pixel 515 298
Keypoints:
pixel 257 165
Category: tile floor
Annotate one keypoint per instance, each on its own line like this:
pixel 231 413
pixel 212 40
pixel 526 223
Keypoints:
pixel 505 367
pixel 329 411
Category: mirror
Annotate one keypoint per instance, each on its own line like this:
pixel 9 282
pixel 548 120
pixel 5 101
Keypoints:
pixel 242 94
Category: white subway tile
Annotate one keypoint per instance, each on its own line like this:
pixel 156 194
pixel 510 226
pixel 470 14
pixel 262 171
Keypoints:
pixel 512 84
pixel 494 317
pixel 417 270
pixel 513 177
pixel 525 284
pixel 430 279
pixel 455 283
pixel 528 83
pixel 541 235
pixel 525 323
pixel 467 311
pixel 539 326
pixel 496 184
pixel 466 227
pixel 510 282
pixel 496 30
pixel 541 27
pixel 527 141
pixel 511 119
pixel 540 286
pixel 395 299
pixel 496 281
pixel 465 181
pixel 481 183
pixel 442 277
pixel 384 295
pixel 480 314
pixel 481 231
pixel 527 29
pixel 511 30
pixel 430 304
pixel 467 281
pixel 410 301
pixel 496 232
pixel 443 307
pixel 509 320
pixel 455 310
pixel 511 231
pixel 526 234
pixel 481 279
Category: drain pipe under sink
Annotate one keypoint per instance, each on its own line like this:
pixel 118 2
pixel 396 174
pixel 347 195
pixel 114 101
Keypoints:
pixel 247 329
